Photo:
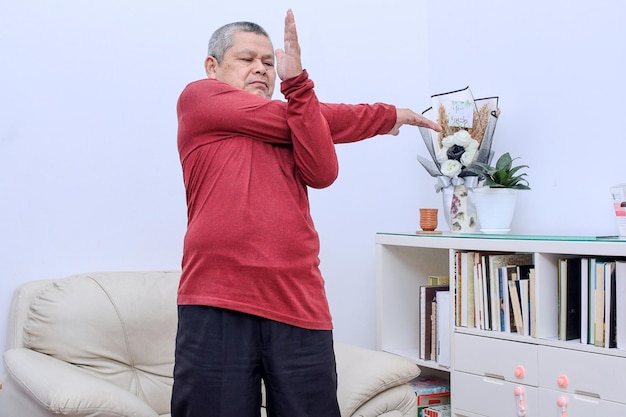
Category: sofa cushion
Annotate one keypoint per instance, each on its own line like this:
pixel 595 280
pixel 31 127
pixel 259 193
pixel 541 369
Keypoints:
pixel 365 373
pixel 120 327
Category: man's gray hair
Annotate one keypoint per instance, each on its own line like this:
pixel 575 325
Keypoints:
pixel 222 38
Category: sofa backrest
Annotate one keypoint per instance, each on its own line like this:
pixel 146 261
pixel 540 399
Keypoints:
pixel 119 326
pixel 18 311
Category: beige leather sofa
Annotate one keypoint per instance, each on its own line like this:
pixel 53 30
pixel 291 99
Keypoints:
pixel 102 344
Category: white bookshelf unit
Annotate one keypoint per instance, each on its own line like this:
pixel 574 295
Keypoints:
pixel 493 373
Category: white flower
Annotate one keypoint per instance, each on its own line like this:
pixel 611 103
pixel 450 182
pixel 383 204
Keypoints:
pixel 472 145
pixel 469 156
pixel 448 141
pixel 463 135
pixel 451 168
pixel 461 138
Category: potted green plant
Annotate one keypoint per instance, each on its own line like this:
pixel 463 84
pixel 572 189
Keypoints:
pixel 502 175
pixel 495 200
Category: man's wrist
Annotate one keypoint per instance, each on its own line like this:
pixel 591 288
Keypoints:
pixel 294 83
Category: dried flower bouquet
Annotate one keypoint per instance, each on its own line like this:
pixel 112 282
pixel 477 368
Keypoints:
pixel 467 125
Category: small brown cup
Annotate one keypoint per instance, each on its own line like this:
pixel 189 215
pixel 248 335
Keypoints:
pixel 428 219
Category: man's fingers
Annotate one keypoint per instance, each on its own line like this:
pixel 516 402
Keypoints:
pixel 409 117
pixel 288 58
pixel 291 35
pixel 425 122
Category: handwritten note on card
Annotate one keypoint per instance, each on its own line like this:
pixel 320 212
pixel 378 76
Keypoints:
pixel 461 114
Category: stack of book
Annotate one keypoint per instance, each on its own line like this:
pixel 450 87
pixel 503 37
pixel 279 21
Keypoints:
pixel 438 411
pixel 592 301
pixel 431 392
pixel 435 324
pixel 495 291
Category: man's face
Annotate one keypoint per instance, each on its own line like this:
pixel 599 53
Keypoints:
pixel 248 65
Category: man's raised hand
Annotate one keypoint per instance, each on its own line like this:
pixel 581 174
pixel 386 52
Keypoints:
pixel 288 63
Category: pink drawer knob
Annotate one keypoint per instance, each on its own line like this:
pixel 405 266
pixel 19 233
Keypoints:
pixel 563 381
pixel 521 402
pixel 562 403
pixel 520 372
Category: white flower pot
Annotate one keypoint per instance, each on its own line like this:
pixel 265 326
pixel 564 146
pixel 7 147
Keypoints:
pixel 494 208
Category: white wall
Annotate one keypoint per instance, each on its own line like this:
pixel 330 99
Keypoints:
pixel 89 171
pixel 558 69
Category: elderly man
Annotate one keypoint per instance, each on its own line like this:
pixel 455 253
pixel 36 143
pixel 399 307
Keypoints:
pixel 252 303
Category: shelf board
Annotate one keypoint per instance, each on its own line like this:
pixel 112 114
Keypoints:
pixel 413 355
pixel 569 344
pixel 574 245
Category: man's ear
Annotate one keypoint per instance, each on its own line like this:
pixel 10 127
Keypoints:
pixel 210 66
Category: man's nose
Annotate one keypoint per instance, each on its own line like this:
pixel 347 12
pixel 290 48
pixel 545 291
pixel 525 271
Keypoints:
pixel 260 67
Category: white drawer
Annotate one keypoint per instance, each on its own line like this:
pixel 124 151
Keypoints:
pixel 577 405
pixel 489 397
pixel 496 358
pixel 588 374
pixel 463 413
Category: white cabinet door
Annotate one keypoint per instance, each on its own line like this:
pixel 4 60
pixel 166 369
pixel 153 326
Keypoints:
pixel 558 404
pixel 491 397
pixel 583 373
pixel 500 359
pixel 463 413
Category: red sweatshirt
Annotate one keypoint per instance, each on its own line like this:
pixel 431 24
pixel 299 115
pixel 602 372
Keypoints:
pixel 247 161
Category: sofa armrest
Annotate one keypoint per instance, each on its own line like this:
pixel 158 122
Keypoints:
pixel 363 374
pixel 399 401
pixel 62 388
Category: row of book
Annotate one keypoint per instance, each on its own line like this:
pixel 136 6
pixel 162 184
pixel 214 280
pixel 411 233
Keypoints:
pixel 432 396
pixel 495 291
pixel 444 410
pixel 592 301
pixel 435 321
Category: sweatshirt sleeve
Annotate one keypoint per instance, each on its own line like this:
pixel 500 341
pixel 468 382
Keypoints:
pixel 210 110
pixel 313 146
pixel 354 122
